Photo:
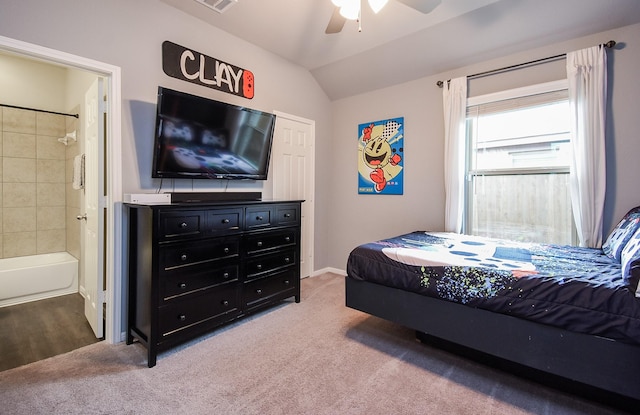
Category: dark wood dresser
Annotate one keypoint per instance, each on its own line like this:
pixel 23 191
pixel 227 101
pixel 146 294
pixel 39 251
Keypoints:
pixel 194 267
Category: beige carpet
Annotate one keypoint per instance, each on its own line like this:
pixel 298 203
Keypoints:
pixel 315 357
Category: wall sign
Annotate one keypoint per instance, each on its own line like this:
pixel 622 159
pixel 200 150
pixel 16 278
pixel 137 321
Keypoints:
pixel 191 66
pixel 380 157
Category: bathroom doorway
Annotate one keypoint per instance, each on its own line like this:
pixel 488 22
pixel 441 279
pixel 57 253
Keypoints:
pixel 108 276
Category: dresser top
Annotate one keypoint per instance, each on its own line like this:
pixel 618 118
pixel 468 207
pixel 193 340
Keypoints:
pixel 205 204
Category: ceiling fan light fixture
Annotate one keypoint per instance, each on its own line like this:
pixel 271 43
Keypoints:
pixel 377 5
pixel 350 9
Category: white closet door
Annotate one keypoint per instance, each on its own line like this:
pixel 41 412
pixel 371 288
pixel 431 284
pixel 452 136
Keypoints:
pixel 292 166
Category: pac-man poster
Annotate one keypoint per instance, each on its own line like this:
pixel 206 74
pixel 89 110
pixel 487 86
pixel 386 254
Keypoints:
pixel 380 157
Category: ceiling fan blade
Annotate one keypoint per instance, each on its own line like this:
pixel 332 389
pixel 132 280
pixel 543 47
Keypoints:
pixel 424 6
pixel 336 23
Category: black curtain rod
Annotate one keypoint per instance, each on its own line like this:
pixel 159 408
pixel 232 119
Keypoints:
pixel 609 44
pixel 35 109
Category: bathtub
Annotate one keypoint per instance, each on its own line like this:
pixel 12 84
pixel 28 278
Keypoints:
pixel 35 277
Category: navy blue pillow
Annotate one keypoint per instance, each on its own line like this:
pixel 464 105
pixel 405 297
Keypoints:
pixel 621 234
pixel 631 262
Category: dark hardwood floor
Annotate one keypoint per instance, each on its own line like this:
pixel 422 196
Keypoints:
pixel 34 331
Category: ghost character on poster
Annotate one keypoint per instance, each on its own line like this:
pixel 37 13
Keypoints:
pixel 380 157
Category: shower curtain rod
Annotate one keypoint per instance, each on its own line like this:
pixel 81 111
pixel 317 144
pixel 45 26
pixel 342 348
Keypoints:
pixel 35 109
pixel 609 44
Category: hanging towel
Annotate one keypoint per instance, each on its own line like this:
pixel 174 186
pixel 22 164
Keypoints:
pixel 78 172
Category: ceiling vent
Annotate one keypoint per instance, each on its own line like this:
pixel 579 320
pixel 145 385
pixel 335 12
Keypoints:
pixel 220 6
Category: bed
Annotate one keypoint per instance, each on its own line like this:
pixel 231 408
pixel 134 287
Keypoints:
pixel 562 314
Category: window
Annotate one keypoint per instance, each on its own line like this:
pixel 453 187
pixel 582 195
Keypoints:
pixel 518 157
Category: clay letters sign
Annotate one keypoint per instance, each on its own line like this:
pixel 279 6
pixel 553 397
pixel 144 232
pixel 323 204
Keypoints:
pixel 191 66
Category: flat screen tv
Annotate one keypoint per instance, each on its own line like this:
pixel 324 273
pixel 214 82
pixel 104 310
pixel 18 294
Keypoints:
pixel 199 138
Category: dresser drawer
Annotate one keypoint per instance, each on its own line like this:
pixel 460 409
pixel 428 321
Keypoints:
pixel 177 286
pixel 264 242
pixel 264 264
pixel 258 217
pixel 198 309
pixel 181 224
pixel 263 290
pixel 287 215
pixel 195 255
pixel 224 222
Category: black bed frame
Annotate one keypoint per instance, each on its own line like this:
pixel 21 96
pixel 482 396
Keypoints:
pixel 585 363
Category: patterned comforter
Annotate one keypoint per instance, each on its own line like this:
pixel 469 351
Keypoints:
pixel 578 289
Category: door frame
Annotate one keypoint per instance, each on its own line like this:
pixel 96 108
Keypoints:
pixel 113 234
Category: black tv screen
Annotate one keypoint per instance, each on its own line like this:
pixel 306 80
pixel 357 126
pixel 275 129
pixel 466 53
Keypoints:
pixel 200 138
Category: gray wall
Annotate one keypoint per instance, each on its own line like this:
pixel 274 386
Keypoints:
pixel 129 34
pixel 361 218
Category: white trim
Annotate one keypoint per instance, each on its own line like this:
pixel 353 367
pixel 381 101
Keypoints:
pixel 519 92
pixel 331 270
pixel 113 231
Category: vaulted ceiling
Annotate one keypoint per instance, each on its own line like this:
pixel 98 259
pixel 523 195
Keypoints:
pixel 400 43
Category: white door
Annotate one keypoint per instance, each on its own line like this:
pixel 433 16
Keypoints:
pixel 93 223
pixel 292 165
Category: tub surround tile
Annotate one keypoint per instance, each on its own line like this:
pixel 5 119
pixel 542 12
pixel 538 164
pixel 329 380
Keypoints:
pixel 18 244
pixel 49 241
pixel 22 219
pixel 48 218
pixel 73 235
pixel 33 172
pixel 18 121
pixel 49 148
pixel 50 194
pixel 18 195
pixel 18 170
pixel 19 145
pixel 50 124
pixel 50 171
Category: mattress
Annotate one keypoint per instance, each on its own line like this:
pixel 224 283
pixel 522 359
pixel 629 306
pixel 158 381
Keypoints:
pixel 577 289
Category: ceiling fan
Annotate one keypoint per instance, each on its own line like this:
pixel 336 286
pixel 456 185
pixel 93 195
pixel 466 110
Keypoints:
pixel 350 10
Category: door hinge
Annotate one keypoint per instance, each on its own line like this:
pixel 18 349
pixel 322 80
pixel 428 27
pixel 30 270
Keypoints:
pixel 102 297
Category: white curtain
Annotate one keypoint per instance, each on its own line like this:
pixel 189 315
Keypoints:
pixel 454 98
pixel 587 76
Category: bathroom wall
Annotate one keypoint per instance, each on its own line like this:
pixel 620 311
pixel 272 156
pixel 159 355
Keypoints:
pixel 32 212
pixel 38 207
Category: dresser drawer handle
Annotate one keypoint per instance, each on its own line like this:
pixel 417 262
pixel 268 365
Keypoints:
pixel 259 291
pixel 182 317
pixel 259 244
pixel 183 225
pixel 259 266
pixel 183 257
pixel 225 221
pixel 287 215
pixel 286 282
pixel 287 260
pixel 287 239
pixel 259 218
pixel 183 285
pixel 225 303
pixel 226 275
pixel 226 250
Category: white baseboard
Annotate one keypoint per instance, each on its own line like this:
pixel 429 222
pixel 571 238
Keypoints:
pixel 329 269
